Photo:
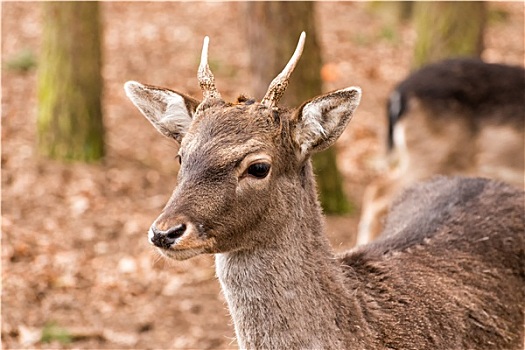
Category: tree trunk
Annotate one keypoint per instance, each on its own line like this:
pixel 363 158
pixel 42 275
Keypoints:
pixel 393 12
pixel 448 29
pixel 70 83
pixel 273 29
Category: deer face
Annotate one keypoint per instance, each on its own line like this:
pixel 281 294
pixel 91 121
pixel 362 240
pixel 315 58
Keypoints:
pixel 230 164
pixel 238 163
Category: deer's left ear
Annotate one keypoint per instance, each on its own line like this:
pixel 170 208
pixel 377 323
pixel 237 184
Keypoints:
pixel 321 121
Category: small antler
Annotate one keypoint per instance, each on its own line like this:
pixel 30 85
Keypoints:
pixel 205 76
pixel 278 85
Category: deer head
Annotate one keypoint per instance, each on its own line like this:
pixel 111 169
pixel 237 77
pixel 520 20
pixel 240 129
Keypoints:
pixel 240 162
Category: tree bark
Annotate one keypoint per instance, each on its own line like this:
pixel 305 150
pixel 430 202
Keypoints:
pixel 448 29
pixel 273 29
pixel 394 12
pixel 69 122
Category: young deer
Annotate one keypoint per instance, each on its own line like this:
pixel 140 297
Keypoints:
pixel 455 117
pixel 452 277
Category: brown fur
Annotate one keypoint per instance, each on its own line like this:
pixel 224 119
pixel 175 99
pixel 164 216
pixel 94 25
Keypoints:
pixel 458 117
pixel 451 277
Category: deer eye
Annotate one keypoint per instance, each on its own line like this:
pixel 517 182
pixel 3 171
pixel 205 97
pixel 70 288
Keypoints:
pixel 258 170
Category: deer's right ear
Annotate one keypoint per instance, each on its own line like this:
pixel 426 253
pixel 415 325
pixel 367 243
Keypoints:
pixel 319 122
pixel 170 113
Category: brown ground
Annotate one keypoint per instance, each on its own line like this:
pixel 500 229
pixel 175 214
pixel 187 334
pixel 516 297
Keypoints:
pixel 74 248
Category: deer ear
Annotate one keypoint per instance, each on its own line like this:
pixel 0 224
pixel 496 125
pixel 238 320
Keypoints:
pixel 321 121
pixel 170 113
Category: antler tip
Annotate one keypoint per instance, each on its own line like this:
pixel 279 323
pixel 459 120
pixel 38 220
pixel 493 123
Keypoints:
pixel 204 55
pixel 278 85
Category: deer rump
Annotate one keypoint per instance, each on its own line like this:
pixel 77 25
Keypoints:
pixel 452 250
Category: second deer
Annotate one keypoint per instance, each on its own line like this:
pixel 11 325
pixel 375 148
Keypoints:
pixel 456 117
pixel 451 278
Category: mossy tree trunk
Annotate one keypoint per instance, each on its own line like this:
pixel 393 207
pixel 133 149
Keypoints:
pixel 273 29
pixel 448 29
pixel 70 83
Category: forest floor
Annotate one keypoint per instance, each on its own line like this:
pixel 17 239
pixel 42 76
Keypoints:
pixel 77 270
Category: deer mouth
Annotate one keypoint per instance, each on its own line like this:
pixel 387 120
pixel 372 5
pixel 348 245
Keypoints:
pixel 181 254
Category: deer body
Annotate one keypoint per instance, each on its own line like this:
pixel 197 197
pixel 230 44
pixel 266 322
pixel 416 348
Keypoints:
pixel 455 117
pixel 442 289
pixel 450 277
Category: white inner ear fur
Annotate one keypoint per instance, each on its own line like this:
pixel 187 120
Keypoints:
pixel 176 116
pixel 311 129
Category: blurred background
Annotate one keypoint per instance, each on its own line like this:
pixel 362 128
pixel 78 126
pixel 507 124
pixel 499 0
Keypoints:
pixel 84 174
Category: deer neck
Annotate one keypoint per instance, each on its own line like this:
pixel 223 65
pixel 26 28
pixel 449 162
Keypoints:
pixel 289 294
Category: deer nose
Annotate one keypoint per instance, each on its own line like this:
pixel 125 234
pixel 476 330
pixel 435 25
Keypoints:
pixel 164 239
